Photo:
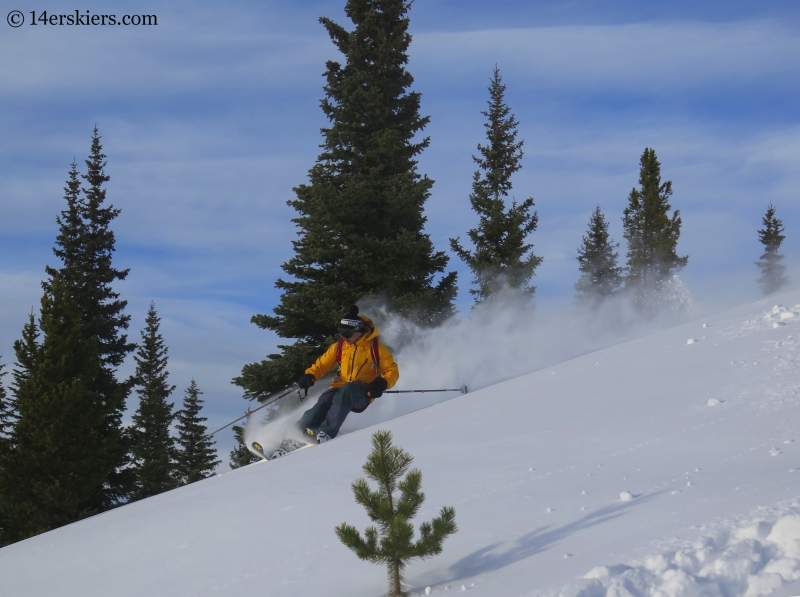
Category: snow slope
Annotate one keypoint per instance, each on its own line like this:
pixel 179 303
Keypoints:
pixel 667 465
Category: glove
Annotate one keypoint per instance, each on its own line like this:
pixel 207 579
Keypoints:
pixel 306 381
pixel 375 389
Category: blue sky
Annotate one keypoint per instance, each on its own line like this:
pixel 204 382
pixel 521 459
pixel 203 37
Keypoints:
pixel 210 118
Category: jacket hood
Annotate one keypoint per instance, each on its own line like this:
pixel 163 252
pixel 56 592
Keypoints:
pixel 372 334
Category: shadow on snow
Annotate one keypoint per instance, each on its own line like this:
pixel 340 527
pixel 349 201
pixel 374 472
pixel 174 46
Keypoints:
pixel 490 559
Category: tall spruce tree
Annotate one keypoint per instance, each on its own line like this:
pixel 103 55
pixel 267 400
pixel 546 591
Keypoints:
pixel 59 455
pixel 392 541
pixel 196 457
pixel 501 255
pixel 85 246
pixel 772 270
pixel 361 214
pixel 601 277
pixel 153 448
pixel 652 237
pixel 240 455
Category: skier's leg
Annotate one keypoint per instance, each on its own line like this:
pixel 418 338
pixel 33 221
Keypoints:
pixel 349 396
pixel 315 415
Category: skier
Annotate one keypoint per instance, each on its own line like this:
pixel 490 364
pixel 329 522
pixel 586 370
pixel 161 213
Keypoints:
pixel 366 370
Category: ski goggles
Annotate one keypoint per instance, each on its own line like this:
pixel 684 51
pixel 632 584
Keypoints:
pixel 349 327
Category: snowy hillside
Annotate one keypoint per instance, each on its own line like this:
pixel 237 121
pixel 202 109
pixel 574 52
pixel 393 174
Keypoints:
pixel 665 465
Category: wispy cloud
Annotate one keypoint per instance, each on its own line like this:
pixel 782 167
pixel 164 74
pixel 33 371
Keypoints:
pixel 188 52
pixel 641 56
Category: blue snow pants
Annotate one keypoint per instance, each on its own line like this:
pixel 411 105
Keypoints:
pixel 333 406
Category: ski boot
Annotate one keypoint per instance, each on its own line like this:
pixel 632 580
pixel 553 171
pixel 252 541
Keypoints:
pixel 323 437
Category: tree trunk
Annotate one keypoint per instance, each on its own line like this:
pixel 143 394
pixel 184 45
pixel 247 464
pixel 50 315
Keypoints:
pixel 396 580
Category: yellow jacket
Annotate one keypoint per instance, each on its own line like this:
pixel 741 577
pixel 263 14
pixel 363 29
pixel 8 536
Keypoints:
pixel 357 363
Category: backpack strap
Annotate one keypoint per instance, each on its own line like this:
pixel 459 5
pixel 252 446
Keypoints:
pixel 339 352
pixel 376 355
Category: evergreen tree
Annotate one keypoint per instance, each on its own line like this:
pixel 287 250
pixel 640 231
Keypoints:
pixel 25 348
pixel 59 456
pixel 392 541
pixel 240 455
pixel 153 448
pixel 85 245
pixel 72 234
pixel 772 270
pixel 7 420
pixel 652 237
pixel 7 410
pixel 501 255
pixel 361 214
pixel 197 458
pixel 601 277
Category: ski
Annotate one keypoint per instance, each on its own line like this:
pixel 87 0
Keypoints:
pixel 287 446
pixel 259 450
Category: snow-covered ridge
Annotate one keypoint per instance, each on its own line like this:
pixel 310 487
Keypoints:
pixel 654 467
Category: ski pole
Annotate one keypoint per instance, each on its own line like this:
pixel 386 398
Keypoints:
pixel 462 389
pixel 249 412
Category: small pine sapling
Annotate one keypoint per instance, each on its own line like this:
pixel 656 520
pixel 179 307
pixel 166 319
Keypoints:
pixel 392 541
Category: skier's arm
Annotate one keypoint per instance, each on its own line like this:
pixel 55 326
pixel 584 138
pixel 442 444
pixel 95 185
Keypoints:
pixel 324 363
pixel 389 370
